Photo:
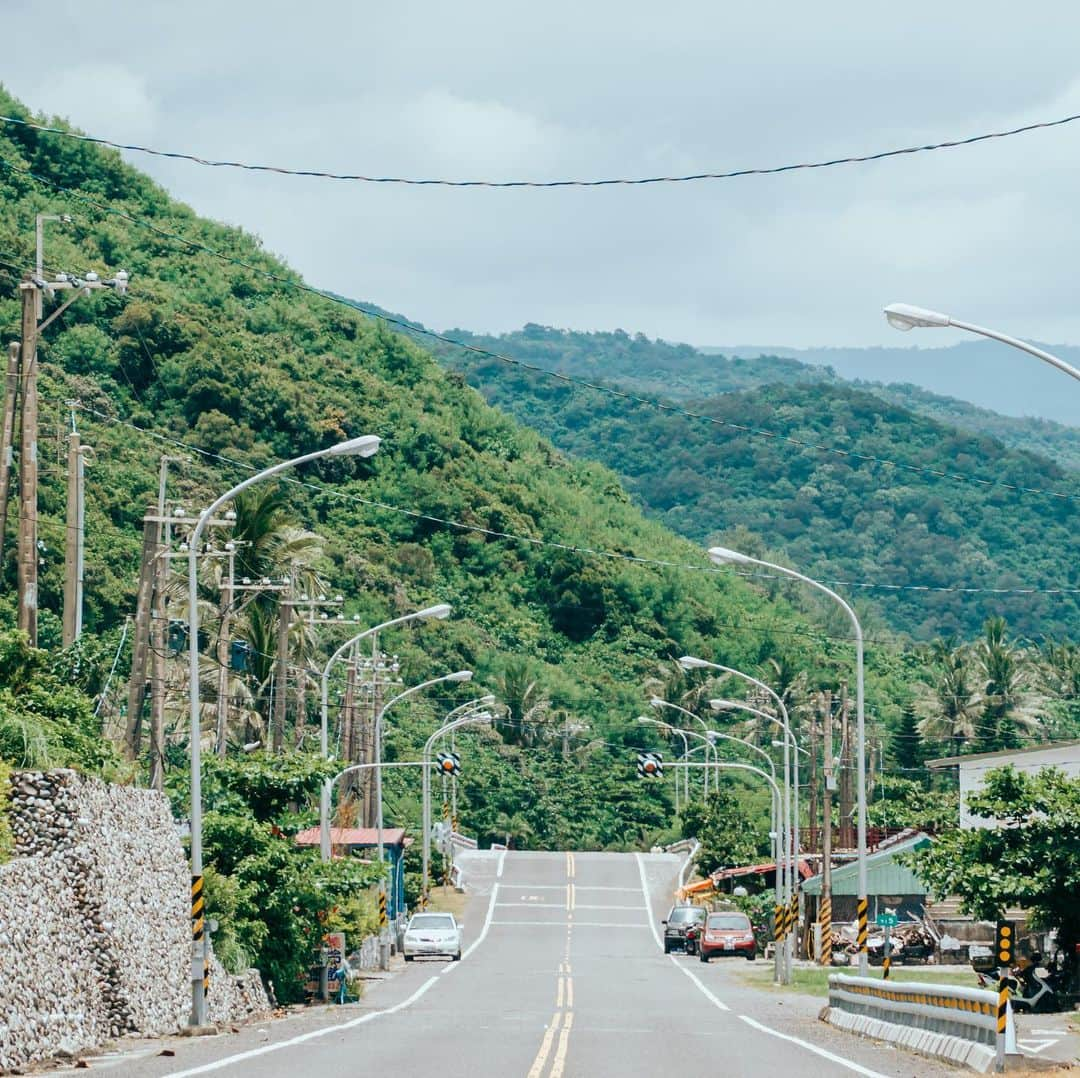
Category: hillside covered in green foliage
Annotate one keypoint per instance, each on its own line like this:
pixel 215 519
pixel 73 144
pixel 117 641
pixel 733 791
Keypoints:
pixel 844 483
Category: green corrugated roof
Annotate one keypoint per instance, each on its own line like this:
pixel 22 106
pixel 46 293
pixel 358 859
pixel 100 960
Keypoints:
pixel 884 874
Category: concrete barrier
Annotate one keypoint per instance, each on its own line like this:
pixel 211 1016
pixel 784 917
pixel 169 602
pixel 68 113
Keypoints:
pixel 946 1021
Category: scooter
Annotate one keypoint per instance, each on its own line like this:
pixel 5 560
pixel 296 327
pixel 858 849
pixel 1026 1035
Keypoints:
pixel 691 944
pixel 1034 988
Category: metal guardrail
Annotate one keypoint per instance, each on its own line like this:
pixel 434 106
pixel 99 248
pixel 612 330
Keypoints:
pixel 953 1022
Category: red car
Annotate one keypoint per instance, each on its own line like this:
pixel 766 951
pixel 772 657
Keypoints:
pixel 727 933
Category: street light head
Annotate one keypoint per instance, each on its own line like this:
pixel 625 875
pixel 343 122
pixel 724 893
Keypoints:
pixel 655 701
pixel 903 316
pixel 440 611
pixel 720 555
pixel 691 662
pixel 460 675
pixel 367 445
pixel 488 700
pixel 725 705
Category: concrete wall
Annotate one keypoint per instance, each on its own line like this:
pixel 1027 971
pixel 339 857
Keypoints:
pixel 94 921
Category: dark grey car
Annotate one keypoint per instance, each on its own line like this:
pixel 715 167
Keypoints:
pixel 678 921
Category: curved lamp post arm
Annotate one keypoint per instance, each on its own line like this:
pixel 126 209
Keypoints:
pixel 440 610
pixel 903 316
pixel 656 701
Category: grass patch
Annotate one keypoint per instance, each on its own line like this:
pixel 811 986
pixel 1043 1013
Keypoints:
pixel 447 901
pixel 815 982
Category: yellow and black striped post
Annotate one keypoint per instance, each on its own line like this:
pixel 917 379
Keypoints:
pixel 825 920
pixel 454 825
pixel 862 908
pixel 382 909
pixel 886 957
pixel 198 905
pixel 198 928
pixel 778 922
pixel 793 920
pixel 1002 1020
pixel 446 810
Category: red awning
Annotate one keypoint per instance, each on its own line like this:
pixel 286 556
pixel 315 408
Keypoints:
pixel 763 869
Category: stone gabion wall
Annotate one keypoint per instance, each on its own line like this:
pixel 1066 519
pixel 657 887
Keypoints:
pixel 94 921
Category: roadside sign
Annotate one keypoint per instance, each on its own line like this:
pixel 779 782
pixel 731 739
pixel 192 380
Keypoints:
pixel 887 920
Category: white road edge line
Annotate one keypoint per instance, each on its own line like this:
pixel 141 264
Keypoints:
pixel 487 922
pixel 824 1053
pixel 648 901
pixel 253 1053
pixel 705 991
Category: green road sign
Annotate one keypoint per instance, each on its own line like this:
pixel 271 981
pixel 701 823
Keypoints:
pixel 887 920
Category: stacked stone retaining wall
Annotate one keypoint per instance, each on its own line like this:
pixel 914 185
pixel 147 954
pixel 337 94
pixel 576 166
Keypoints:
pixel 94 921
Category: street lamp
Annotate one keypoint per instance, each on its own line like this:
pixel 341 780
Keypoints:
pixel 364 446
pixel 723 556
pixel 425 800
pixel 791 797
pixel 658 702
pixel 439 611
pixel 686 749
pixel 459 675
pixel 904 317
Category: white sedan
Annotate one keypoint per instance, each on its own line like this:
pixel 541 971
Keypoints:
pixel 433 934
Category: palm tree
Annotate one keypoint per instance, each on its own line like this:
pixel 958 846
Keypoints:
pixel 1058 676
pixel 1010 708
pixel 950 707
pixel 528 709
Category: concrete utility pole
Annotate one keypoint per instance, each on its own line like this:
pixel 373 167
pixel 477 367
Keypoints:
pixel 75 539
pixel 847 838
pixel 28 468
pixel 140 641
pixel 825 908
pixel 281 677
pixel 7 436
pixel 224 645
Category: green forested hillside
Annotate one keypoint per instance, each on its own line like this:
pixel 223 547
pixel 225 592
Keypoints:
pixel 923 538
pixel 681 372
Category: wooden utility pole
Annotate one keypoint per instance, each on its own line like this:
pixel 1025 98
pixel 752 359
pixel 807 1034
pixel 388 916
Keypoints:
pixel 28 468
pixel 139 642
pixel 281 677
pixel 7 438
pixel 825 904
pixel 372 742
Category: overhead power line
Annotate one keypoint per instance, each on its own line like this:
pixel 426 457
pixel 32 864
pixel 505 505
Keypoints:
pixel 611 391
pixel 640 181
pixel 658 563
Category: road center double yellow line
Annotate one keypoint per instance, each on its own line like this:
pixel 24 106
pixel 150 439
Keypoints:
pixel 557 1034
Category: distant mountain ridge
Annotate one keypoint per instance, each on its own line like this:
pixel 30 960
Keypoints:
pixel 985 373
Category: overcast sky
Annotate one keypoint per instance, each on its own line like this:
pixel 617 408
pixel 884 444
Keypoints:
pixel 594 89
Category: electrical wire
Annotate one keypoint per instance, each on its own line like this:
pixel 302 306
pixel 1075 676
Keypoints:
pixel 611 391
pixel 641 181
pixel 565 547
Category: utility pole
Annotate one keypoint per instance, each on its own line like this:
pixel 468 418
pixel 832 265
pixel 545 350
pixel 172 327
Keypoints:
pixel 28 467
pixel 825 907
pixel 281 677
pixel 224 645
pixel 813 780
pixel 75 538
pixel 7 436
pixel 139 642
pixel 32 290
pixel 847 838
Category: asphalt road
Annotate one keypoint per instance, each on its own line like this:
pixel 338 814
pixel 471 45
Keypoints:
pixel 563 975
